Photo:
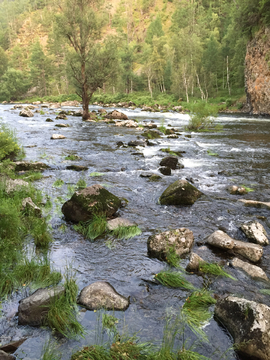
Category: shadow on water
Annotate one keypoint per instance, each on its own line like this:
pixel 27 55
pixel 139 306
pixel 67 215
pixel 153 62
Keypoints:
pixel 243 158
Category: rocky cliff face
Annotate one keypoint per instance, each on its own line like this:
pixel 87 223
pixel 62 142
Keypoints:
pixel 257 73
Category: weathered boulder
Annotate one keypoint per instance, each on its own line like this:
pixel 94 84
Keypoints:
pixel 15 185
pixel 165 170
pixel 147 108
pixel 257 204
pixel 155 177
pixel 152 134
pixel 34 308
pixel 92 200
pixel 49 120
pixel 194 262
pixel 102 295
pixel 181 240
pixel 70 103
pixel 150 125
pixel 252 270
pixel 116 115
pixel 249 324
pixel 30 166
pixel 137 143
pixel 220 239
pixel 62 125
pixel 127 123
pixel 181 192
pixel 115 223
pixel 61 117
pixel 255 232
pixel 5 356
pixel 26 113
pixel 169 161
pixel 102 111
pixel 77 167
pixel 29 205
pixel 57 137
pixel 237 190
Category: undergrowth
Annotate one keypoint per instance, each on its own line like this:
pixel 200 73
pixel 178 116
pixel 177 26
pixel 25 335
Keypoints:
pixel 9 147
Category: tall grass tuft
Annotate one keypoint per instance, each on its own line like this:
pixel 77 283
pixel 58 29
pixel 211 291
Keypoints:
pixel 214 269
pixel 173 280
pixel 202 116
pixel 9 147
pixel 49 352
pixel 126 232
pixel 92 229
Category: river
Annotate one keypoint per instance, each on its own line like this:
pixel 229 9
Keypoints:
pixel 243 148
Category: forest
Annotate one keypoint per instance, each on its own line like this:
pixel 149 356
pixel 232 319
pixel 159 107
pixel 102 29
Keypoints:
pixel 189 49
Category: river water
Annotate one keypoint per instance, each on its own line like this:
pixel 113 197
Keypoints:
pixel 243 148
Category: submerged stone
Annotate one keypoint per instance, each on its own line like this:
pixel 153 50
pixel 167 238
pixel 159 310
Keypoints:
pixel 170 162
pixel 93 200
pixel 102 295
pixel 252 270
pixel 181 192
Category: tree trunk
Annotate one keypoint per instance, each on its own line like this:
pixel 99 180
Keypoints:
pixel 85 104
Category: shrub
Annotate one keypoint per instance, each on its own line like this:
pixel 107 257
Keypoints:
pixel 202 116
pixel 9 147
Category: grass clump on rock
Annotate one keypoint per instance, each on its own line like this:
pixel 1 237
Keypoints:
pixel 173 280
pixel 58 183
pixel 72 157
pixel 126 232
pixel 92 229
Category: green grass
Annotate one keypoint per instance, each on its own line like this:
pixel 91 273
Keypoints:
pixel 62 317
pixel 49 351
pixel 92 229
pixel 209 152
pixel 81 184
pixel 201 116
pixel 9 147
pixel 40 233
pixel 214 269
pixel 58 183
pixel 42 112
pixel 126 232
pixel 173 280
pixel 248 189
pixel 93 174
pixel 168 150
pixel 172 258
pixel 72 157
pixel 265 291
pixel 31 176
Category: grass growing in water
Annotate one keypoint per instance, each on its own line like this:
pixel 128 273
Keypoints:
pixel 248 189
pixel 49 352
pixel 62 313
pixel 92 228
pixel 172 258
pixel 31 176
pixel 173 280
pixel 168 150
pixel 72 157
pixel 58 183
pixel 202 116
pixel 265 291
pixel 209 152
pixel 214 269
pixel 42 237
pixel 81 184
pixel 93 174
pixel 126 232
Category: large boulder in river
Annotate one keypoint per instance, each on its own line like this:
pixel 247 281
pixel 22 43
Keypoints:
pixel 249 324
pixel 26 113
pixel 159 245
pixel 102 295
pixel 170 162
pixel 220 239
pixel 33 309
pixel 30 166
pixel 181 192
pixel 255 232
pixel 93 200
pixel 116 115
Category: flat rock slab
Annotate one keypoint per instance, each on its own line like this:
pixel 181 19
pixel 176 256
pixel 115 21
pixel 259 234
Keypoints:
pixel 220 239
pixel 57 137
pixel 252 270
pixel 34 308
pixel 257 204
pixel 28 166
pixel 194 262
pixel 255 232
pixel 102 295
pixel 115 223
pixel 77 167
pixel 92 200
pixel 249 324
pixel 181 240
pixel 5 356
pixel 181 192
pixel 12 346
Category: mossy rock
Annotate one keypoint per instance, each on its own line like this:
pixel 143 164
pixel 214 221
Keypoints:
pixel 155 177
pixel 181 192
pixel 93 200
pixel 152 134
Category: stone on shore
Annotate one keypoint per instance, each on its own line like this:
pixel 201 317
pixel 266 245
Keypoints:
pixel 255 232
pixel 181 240
pixel 249 324
pixel 252 270
pixel 257 204
pixel 93 200
pixel 220 239
pixel 102 295
pixel 181 192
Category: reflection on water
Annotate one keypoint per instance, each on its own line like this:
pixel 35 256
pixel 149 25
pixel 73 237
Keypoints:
pixel 243 157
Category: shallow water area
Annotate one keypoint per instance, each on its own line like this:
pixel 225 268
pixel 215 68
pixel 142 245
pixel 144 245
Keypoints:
pixel 242 151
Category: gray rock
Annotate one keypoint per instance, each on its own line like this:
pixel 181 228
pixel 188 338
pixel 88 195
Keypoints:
pixel 155 177
pixel 181 240
pixel 102 111
pixel 170 162
pixel 34 309
pixel 30 166
pixel 137 143
pixel 115 223
pixel 61 117
pixel 62 125
pixel 255 232
pixel 102 295
pixel 237 190
pixel 26 113
pixel 194 262
pixel 5 356
pixel 92 200
pixel 49 120
pixel 257 204
pixel 29 205
pixel 249 324
pixel 15 185
pixel 57 137
pixel 77 167
pixel 181 192
pixel 221 240
pixel 252 270
pixel 116 115
pixel 165 170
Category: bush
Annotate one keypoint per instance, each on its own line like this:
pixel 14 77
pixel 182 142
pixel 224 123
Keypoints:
pixel 9 147
pixel 202 116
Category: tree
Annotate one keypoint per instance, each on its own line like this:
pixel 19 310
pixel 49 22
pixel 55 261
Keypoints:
pixel 92 60
pixel 3 62
pixel 14 84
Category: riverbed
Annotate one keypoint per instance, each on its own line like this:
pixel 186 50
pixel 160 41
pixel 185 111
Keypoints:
pixel 242 157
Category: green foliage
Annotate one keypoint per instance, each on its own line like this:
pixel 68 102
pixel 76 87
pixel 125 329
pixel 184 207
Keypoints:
pixel 209 152
pixel 172 258
pixel 126 232
pixel 72 157
pixel 173 280
pixel 14 84
pixel 248 189
pixel 58 183
pixel 201 116
pixel 81 184
pixel 42 237
pixel 92 228
pixel 31 176
pixel 168 150
pixel 93 174
pixel 214 269
pixel 9 147
pixel 265 291
pixel 49 351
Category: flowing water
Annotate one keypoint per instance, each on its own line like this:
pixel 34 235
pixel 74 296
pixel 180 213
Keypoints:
pixel 243 148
